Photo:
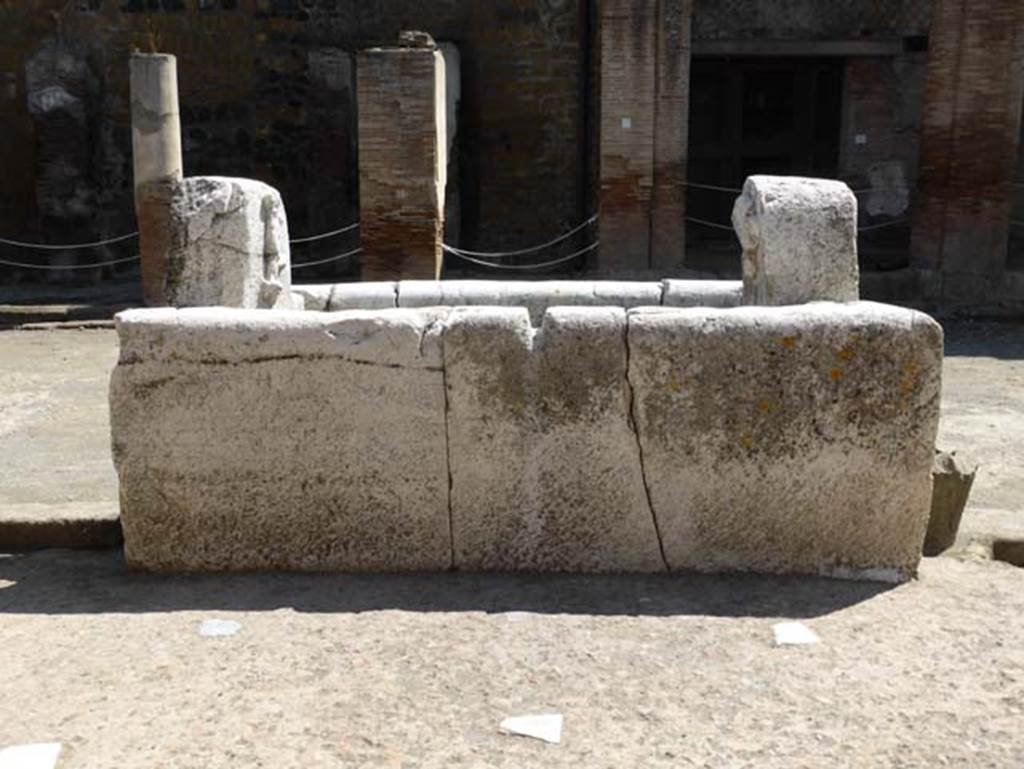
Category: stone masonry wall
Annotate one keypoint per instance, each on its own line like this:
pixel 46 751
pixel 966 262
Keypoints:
pixel 787 439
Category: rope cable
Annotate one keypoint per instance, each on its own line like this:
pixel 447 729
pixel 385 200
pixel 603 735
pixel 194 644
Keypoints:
pixel 325 235
pixel 520 267
pixel 67 246
pixel 522 251
pixel 68 266
pixel 300 265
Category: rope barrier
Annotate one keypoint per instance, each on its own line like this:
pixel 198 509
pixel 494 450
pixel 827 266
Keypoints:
pixel 68 266
pixel 711 187
pixel 122 238
pixel 883 225
pixel 709 224
pixel 522 251
pixel 301 265
pixel 519 267
pixel 67 246
pixel 881 189
pixel 324 236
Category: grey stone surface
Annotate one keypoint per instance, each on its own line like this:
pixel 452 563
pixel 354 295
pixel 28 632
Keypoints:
pixel 313 297
pixel 269 440
pixel 229 245
pixel 702 293
pixel 156 124
pixel 952 479
pixel 796 439
pixel 363 296
pixel 799 240
pixel 535 296
pixel 545 465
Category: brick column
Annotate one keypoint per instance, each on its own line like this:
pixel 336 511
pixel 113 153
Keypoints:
pixel 645 73
pixel 671 134
pixel 969 145
pixel 402 161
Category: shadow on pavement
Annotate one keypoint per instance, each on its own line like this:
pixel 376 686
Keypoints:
pixel 65 582
pixel 1003 340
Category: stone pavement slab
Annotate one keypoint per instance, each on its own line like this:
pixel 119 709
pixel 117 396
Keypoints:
pixel 420 671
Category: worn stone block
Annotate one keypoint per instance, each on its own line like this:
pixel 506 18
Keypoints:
pixel 363 296
pixel 313 297
pixel 545 464
pixel 702 293
pixel 229 245
pixel 275 440
pixel 799 240
pixel 795 439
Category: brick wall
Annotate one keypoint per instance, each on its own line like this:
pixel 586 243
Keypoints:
pixel 810 19
pixel 644 114
pixel 267 92
pixel 970 144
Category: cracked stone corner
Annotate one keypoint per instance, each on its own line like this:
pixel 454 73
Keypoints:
pixel 634 426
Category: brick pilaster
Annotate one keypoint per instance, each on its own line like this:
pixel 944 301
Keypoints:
pixel 645 71
pixel 969 145
pixel 402 163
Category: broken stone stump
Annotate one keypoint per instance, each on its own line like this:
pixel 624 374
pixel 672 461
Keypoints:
pixel 952 478
pixel 799 239
pixel 228 245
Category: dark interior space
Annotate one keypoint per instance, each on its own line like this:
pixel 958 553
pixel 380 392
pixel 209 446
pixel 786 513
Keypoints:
pixel 754 115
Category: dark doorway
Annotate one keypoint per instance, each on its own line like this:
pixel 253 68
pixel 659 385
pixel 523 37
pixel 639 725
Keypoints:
pixel 754 116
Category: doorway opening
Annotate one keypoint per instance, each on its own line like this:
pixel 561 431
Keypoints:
pixel 754 115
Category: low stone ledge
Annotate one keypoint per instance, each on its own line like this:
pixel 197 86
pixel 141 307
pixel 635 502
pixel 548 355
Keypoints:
pixel 536 296
pixel 363 296
pixel 313 297
pixel 795 439
pixel 702 293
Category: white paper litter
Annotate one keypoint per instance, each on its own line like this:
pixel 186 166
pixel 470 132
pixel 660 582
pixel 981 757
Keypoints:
pixel 218 628
pixel 41 755
pixel 794 634
pixel 546 727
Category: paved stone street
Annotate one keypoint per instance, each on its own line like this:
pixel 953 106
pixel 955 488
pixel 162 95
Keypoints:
pixel 420 670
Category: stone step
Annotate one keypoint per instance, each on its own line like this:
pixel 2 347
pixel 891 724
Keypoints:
pixel 72 526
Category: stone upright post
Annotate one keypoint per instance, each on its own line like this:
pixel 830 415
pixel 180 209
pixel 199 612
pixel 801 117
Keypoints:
pixel 157 161
pixel 402 159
